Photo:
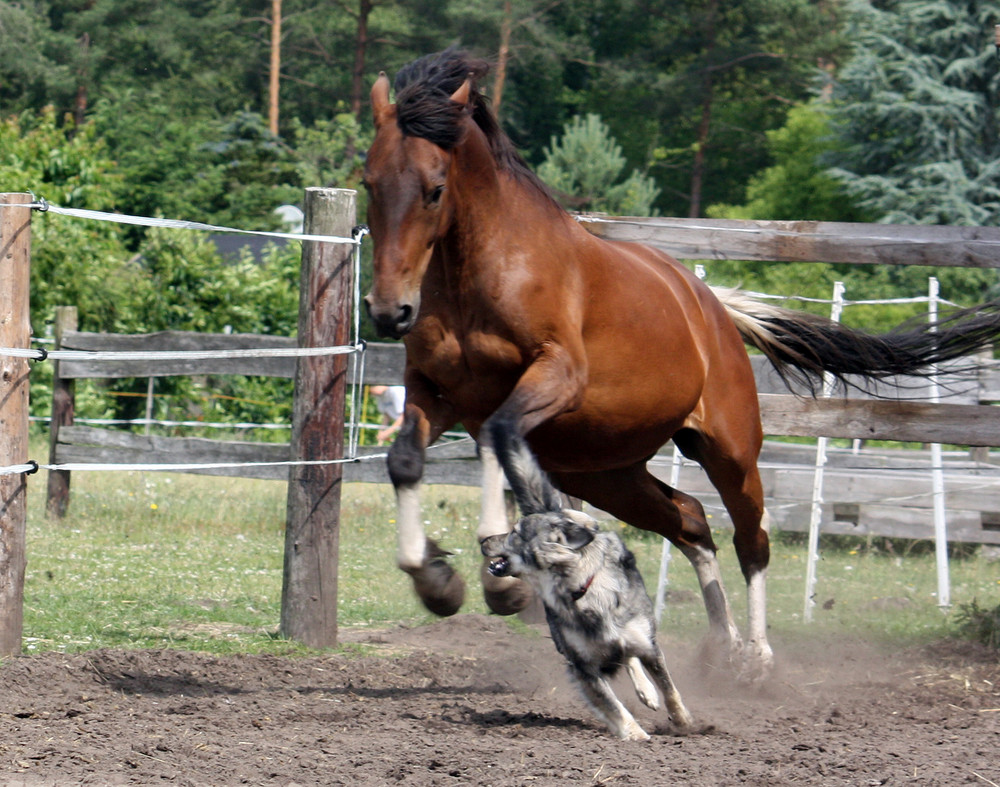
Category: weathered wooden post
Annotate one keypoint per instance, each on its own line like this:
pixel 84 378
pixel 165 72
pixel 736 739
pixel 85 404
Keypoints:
pixel 63 409
pixel 312 529
pixel 15 331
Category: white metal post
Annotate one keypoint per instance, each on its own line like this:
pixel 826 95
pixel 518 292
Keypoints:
pixel 937 473
pixel 816 510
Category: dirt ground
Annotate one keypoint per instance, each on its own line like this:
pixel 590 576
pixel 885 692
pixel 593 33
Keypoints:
pixel 470 701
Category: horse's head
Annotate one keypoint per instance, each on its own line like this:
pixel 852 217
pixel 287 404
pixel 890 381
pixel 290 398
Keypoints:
pixel 409 210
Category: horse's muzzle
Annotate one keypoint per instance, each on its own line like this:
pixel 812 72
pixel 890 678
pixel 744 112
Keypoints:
pixel 393 322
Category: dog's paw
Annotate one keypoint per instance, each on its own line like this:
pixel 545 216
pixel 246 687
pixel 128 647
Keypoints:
pixel 681 718
pixel 651 701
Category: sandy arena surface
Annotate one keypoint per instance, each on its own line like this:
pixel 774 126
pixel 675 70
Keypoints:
pixel 468 701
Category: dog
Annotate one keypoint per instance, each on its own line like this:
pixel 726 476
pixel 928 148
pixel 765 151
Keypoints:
pixel 596 605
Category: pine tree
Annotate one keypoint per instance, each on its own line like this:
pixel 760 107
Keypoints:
pixel 918 109
pixel 584 167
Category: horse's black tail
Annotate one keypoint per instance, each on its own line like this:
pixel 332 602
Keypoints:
pixel 803 347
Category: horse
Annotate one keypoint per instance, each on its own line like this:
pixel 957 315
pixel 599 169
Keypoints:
pixel 518 321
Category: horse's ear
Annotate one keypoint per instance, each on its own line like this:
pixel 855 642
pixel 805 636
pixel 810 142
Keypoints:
pixel 461 96
pixel 380 99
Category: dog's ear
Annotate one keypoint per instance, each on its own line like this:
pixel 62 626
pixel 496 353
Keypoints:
pixel 577 535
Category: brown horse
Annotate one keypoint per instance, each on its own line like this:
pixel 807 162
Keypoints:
pixel 517 319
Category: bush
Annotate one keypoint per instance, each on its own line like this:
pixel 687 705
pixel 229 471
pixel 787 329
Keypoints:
pixel 981 625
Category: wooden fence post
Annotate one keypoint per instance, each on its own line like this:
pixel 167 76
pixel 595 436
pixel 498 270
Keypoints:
pixel 312 528
pixel 15 331
pixel 63 409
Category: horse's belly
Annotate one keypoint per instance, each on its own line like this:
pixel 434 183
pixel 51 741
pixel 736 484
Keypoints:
pixel 574 443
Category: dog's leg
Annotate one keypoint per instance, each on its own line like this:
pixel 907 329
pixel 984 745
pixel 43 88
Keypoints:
pixel 641 683
pixel 607 707
pixel 656 665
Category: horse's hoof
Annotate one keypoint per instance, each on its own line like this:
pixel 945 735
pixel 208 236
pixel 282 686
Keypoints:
pixel 757 664
pixel 720 653
pixel 437 584
pixel 505 595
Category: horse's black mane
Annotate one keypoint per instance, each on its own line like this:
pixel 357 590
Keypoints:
pixel 424 108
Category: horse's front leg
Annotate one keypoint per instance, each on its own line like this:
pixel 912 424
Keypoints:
pixel 503 595
pixel 440 589
pixel 550 386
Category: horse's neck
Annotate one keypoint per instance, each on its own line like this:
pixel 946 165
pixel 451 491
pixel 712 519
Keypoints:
pixel 496 209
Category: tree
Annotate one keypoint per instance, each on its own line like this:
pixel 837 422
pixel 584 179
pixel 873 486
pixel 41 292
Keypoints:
pixel 697 84
pixel 918 111
pixel 29 76
pixel 584 168
pixel 797 186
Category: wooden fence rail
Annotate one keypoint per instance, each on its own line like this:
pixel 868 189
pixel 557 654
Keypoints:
pixel 962 421
pixel 963 418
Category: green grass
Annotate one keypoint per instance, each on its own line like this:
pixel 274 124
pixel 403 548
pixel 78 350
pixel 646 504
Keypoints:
pixel 153 560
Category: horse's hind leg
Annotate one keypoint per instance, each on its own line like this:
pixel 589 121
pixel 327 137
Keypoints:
pixel 733 472
pixel 634 496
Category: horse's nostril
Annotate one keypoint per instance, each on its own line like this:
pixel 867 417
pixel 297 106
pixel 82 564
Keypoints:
pixel 405 312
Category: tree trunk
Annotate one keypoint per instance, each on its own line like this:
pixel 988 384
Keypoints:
pixel 360 52
pixel 502 57
pixel 275 76
pixel 698 168
pixel 82 78
pixel 705 125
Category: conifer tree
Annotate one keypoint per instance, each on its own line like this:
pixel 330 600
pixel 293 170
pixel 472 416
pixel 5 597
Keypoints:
pixel 918 109
pixel 584 167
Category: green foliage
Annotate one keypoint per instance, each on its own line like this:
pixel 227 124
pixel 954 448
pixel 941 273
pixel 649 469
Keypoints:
pixel 797 185
pixel 981 625
pixel 211 294
pixel 29 75
pixel 84 263
pixel 687 79
pixel 918 112
pixel 329 152
pixel 584 167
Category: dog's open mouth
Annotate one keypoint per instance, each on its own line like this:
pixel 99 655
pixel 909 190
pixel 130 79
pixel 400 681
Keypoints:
pixel 499 567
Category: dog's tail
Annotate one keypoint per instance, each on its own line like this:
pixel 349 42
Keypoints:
pixel 532 488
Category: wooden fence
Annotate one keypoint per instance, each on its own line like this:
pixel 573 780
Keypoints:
pixel 964 418
pixel 309 587
pixel 971 422
pixel 857 486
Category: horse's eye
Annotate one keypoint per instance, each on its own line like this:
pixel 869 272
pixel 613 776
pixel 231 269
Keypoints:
pixel 435 196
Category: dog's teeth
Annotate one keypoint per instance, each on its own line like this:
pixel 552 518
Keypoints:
pixel 498 567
